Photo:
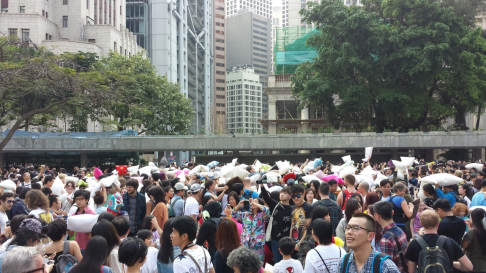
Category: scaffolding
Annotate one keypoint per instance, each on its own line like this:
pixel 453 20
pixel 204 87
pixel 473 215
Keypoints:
pixel 291 49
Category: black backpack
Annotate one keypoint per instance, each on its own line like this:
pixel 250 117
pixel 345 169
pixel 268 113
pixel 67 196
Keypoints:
pixel 247 196
pixel 377 262
pixel 460 199
pixel 433 259
pixel 334 212
pixel 66 260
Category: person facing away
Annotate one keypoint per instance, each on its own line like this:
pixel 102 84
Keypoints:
pixel 286 246
pixel 451 226
pixel 359 233
pixel 326 256
pixel 430 223
pixel 393 236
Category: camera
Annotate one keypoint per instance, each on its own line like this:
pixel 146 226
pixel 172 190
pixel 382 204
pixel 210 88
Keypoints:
pixel 262 179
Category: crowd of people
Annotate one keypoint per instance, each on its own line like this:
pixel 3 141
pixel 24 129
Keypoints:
pixel 308 217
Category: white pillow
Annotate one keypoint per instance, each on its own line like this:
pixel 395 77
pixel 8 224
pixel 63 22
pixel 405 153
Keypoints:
pixel 346 158
pixel 443 179
pixel 195 170
pixel 57 186
pixel 379 177
pixel 320 175
pixel 146 170
pixel 152 166
pixel 233 162
pixel 91 182
pixel 242 166
pixel 368 152
pixel 309 178
pixel 132 168
pixel 72 178
pixel 240 173
pixel 272 177
pixel 347 170
pixel 9 185
pixel 254 178
pixel 407 161
pixel 400 168
pixel 82 223
pixel 336 169
pixel 108 181
pixel 307 169
pixel 182 177
pixel 257 165
pixel 477 166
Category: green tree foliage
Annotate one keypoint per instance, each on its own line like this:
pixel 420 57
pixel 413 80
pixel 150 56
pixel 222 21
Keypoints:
pixel 145 101
pixel 396 64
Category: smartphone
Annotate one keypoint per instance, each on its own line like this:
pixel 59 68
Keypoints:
pixel 246 204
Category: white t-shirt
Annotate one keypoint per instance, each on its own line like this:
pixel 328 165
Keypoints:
pixel 3 248
pixel 185 264
pixel 288 266
pixel 150 265
pixel 332 255
pixel 192 206
pixel 3 221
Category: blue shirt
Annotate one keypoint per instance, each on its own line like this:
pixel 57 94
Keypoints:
pixel 253 194
pixel 168 268
pixel 478 199
pixel 449 196
pixel 387 267
pixel 177 205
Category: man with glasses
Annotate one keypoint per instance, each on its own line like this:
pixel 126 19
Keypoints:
pixel 81 198
pixel 6 202
pixel 301 215
pixel 359 234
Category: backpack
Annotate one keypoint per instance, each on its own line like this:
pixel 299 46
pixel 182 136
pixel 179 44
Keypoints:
pixel 247 196
pixel 171 210
pixel 66 260
pixel 377 262
pixel 433 259
pixel 460 199
pixel 334 212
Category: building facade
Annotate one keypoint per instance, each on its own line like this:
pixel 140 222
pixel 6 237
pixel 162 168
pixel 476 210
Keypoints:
pixel 259 7
pixel 219 68
pixel 244 100
pixel 96 26
pixel 181 45
pixel 138 21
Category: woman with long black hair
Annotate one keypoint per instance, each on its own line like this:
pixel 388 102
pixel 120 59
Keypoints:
pixel 431 196
pixel 94 258
pixel 108 231
pixel 167 252
pixel 473 241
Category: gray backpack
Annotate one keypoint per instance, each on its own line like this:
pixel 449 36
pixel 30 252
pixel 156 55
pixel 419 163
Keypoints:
pixel 66 260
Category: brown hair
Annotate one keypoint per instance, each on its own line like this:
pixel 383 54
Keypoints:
pixel 36 199
pixel 227 237
pixel 429 219
pixel 371 198
pixel 350 178
pixel 458 207
pixel 313 191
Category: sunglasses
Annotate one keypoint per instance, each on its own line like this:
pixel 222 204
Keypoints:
pixel 10 201
pixel 296 196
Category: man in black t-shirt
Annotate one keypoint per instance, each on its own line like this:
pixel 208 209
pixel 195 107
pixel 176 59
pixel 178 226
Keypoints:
pixel 451 226
pixel 430 223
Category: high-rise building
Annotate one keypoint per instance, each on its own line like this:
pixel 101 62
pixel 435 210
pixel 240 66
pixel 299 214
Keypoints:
pixel 219 67
pixel 244 100
pixel 180 48
pixel 138 21
pixel 96 26
pixel 259 7
pixel 291 9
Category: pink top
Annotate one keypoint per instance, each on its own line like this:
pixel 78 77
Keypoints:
pixel 416 224
pixel 239 226
pixel 82 238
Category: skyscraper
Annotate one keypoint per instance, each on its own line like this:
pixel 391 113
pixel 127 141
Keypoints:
pixel 219 67
pixel 259 7
pixel 138 21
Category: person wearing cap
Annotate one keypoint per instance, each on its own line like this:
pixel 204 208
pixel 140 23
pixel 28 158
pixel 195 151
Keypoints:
pixel 28 234
pixel 177 202
pixel 191 207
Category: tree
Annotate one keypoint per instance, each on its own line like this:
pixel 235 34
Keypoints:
pixel 397 64
pixel 36 82
pixel 145 101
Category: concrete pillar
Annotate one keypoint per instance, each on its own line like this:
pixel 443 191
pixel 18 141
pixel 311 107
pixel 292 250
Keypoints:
pixel 84 159
pixel 236 154
pixel 476 154
pixel 272 116
pixel 394 154
pixel 2 160
pixel 156 158
pixel 429 155
pixel 411 153
pixel 304 115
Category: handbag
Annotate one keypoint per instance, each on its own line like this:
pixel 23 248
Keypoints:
pixel 268 233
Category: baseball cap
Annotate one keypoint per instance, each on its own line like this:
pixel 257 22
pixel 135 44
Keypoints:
pixel 180 186
pixel 32 225
pixel 195 188
pixel 290 182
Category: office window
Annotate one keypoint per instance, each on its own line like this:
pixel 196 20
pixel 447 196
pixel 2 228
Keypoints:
pixel 91 40
pixel 4 10
pixel 64 2
pixel 87 4
pixel 64 21
pixel 47 14
pixel 43 13
pixel 22 9
pixel 12 32
pixel 25 35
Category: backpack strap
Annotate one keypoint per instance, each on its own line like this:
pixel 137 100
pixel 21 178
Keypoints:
pixel 345 197
pixel 422 243
pixel 323 259
pixel 195 262
pixel 441 241
pixel 399 248
pixel 378 261
pixel 345 264
pixel 66 248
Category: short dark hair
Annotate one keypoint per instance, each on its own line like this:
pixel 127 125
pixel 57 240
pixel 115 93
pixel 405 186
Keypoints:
pixel 23 193
pixel 6 195
pixel 297 188
pixel 53 199
pixel 82 193
pixel 286 245
pixel 48 179
pixel 350 178
pixel 322 229
pixel 370 222
pixel 443 204
pixel 17 220
pixel 144 234
pixel 132 183
pixel 483 183
pixel 158 194
pixel 57 230
pixel 287 190
pixel 156 176
pixel 106 216
pixel 384 209
pixel 46 191
pixel 185 225
pixel 35 186
pixel 131 251
pixel 237 187
pixel 384 182
pixel 324 188
pixel 122 225
pixel 331 182
pixel 98 198
pixel 19 189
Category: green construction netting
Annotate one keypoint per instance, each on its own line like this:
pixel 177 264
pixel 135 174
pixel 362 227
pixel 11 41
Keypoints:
pixel 291 49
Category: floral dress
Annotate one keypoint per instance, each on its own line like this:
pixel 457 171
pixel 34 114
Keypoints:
pixel 253 233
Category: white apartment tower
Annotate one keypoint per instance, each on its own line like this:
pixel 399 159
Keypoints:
pixel 260 7
pixel 244 100
pixel 181 49
pixel 96 26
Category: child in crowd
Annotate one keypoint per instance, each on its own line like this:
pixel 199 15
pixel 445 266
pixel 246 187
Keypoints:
pixel 415 224
pixel 461 210
pixel 286 246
